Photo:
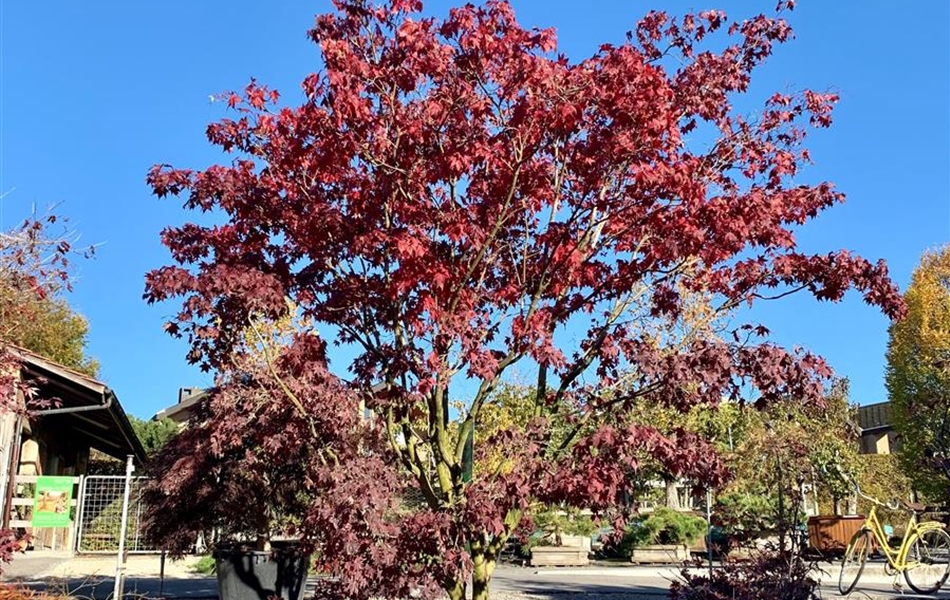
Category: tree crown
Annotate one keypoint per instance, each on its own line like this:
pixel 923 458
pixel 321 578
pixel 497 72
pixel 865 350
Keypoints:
pixel 454 198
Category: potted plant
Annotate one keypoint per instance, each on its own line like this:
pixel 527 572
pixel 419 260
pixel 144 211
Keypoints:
pixel 223 473
pixel 664 536
pixel 562 538
pixel 741 518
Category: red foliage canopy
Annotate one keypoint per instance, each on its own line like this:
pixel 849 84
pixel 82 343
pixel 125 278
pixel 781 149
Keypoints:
pixel 453 197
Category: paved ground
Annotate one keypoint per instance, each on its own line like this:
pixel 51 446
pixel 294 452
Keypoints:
pixel 656 581
pixel 92 578
pixel 64 566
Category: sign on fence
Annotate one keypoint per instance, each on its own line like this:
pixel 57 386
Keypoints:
pixel 51 502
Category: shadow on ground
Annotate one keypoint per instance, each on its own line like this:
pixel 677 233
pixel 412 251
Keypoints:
pixel 101 588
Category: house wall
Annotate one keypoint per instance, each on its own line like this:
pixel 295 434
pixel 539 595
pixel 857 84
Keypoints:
pixel 8 448
pixel 869 442
pixel 882 445
pixel 879 442
pixel 49 449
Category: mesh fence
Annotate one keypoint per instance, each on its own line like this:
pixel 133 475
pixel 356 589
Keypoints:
pixel 100 519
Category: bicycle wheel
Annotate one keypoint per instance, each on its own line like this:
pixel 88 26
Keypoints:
pixel 928 561
pixel 854 558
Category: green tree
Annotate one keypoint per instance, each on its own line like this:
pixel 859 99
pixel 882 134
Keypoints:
pixel 918 375
pixel 882 477
pixel 45 325
pixel 778 453
pixel 720 426
pixel 153 433
pixel 828 435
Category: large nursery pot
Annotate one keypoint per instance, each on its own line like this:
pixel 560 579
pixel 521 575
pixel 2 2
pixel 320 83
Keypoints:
pixel 559 556
pixel 830 534
pixel 247 574
pixel 660 554
pixel 664 536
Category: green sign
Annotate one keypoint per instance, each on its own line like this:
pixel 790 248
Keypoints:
pixel 51 503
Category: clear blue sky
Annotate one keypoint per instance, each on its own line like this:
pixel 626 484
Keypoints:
pixel 94 93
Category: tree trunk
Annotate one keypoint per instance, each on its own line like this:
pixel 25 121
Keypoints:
pixel 455 590
pixel 853 504
pixel 672 495
pixel 481 576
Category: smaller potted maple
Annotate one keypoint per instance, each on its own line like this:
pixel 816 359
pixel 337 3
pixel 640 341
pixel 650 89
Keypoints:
pixel 232 471
pixel 664 536
pixel 562 538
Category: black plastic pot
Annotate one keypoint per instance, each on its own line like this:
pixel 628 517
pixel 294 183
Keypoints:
pixel 253 575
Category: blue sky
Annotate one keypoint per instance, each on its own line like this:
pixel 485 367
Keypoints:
pixel 95 93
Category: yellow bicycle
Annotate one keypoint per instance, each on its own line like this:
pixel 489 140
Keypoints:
pixel 923 556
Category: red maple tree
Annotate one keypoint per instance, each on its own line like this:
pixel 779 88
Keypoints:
pixel 456 200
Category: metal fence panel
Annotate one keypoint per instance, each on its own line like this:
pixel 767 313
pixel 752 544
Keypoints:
pixel 100 516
